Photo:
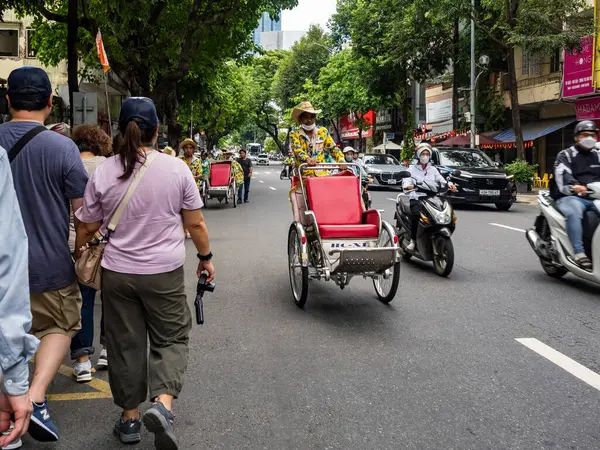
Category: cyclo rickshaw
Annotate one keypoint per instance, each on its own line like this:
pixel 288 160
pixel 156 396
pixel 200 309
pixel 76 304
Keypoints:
pixel 337 239
pixel 221 183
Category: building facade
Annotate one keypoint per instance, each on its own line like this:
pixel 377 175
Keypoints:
pixel 265 24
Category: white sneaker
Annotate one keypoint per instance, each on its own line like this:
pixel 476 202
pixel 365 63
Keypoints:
pixel 411 246
pixel 102 360
pixel 14 444
pixel 83 371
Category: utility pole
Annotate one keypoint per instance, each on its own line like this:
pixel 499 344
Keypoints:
pixel 473 75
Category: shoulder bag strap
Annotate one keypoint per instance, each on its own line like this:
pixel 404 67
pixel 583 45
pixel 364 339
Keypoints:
pixel 16 149
pixel 114 220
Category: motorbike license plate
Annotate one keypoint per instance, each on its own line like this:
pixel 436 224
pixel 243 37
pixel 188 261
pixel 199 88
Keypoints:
pixel 489 192
pixel 392 181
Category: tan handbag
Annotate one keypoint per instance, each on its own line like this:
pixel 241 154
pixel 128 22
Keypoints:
pixel 87 267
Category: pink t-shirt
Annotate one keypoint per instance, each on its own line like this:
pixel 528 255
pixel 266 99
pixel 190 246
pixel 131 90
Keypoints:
pixel 149 238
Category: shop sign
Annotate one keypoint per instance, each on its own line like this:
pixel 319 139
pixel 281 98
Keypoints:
pixel 439 111
pixel 384 119
pixel 350 131
pixel 588 108
pixel 578 70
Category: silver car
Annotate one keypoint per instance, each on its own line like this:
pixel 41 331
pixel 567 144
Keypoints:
pixel 385 170
pixel 262 160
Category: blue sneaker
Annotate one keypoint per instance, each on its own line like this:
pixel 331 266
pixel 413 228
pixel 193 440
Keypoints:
pixel 159 420
pixel 41 427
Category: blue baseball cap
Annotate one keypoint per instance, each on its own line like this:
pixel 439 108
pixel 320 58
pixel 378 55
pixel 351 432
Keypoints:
pixel 140 109
pixel 29 81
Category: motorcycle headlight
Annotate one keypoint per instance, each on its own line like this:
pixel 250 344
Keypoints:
pixel 443 218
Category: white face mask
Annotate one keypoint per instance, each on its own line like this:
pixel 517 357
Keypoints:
pixel 587 143
pixel 424 159
pixel 309 127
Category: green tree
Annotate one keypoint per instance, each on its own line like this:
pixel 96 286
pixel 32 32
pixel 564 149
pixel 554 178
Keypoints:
pixel 271 146
pixel 154 45
pixel 302 63
pixel 265 114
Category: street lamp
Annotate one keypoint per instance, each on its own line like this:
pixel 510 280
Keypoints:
pixel 484 61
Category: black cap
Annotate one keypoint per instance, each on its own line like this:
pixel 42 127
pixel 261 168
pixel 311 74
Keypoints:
pixel 29 81
pixel 140 109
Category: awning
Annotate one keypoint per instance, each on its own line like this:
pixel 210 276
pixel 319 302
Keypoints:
pixel 535 130
pixel 389 146
pixel 465 141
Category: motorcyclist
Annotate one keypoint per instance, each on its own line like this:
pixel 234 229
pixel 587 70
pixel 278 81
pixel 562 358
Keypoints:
pixel 349 157
pixel 422 170
pixel 288 163
pixel 574 168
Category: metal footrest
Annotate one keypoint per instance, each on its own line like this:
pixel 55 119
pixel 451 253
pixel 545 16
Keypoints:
pixel 360 261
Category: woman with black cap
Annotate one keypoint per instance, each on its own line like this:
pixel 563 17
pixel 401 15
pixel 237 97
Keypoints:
pixel 142 279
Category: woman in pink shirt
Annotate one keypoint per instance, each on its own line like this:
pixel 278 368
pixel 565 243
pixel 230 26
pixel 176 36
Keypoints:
pixel 142 280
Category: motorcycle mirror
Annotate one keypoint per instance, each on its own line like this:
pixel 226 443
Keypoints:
pixel 404 174
pixel 455 173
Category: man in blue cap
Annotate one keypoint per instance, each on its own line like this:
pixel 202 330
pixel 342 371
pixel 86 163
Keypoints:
pixel 49 178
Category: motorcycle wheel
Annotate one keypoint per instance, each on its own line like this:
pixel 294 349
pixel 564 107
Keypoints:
pixel 553 270
pixel 443 256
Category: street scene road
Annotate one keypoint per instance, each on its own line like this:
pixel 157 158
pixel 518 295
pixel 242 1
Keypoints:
pixel 463 362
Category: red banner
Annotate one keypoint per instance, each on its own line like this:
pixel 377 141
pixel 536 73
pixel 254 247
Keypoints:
pixel 578 70
pixel 350 131
pixel 588 108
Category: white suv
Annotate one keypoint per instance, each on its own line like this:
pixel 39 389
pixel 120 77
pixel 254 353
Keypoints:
pixel 262 160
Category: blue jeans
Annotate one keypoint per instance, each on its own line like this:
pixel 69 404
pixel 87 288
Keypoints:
pixel 83 342
pixel 246 189
pixel 574 207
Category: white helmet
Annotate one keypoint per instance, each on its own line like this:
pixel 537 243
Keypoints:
pixel 348 150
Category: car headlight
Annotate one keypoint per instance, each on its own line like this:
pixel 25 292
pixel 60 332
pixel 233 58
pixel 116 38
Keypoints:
pixel 510 177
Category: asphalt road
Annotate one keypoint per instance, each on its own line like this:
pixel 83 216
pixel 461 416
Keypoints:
pixel 439 368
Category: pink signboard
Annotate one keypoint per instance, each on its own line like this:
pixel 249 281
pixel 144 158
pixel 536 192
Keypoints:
pixel 578 70
pixel 588 108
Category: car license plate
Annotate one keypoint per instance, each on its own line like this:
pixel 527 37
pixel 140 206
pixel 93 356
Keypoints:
pixel 489 192
pixel 392 181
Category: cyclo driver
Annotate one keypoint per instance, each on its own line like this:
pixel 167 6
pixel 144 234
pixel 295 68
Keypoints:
pixel 422 170
pixel 313 146
pixel 574 168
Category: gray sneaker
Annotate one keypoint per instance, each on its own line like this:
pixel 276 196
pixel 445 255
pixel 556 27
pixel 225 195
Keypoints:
pixel 128 430
pixel 159 420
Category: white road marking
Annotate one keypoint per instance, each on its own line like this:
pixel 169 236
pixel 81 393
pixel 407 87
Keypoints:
pixel 573 367
pixel 260 181
pixel 507 227
pixel 391 199
pixel 267 172
pixel 381 210
pixel 272 188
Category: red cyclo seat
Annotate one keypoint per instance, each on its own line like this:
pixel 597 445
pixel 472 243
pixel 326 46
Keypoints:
pixel 336 202
pixel 220 174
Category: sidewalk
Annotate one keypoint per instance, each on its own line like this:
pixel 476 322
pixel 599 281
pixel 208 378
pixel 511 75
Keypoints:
pixel 530 197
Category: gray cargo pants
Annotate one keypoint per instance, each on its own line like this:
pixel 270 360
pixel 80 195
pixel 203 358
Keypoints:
pixel 140 309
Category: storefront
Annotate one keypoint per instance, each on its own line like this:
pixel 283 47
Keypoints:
pixel 350 132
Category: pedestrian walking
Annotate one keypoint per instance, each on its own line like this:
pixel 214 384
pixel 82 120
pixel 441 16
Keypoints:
pixel 48 174
pixel 189 147
pixel 247 168
pixel 93 143
pixel 16 345
pixel 142 279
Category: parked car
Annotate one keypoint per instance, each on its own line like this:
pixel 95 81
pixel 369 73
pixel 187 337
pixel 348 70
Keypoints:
pixel 385 170
pixel 480 181
pixel 262 160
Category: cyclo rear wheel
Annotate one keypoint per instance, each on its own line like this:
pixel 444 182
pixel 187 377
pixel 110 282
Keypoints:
pixel 386 288
pixel 298 273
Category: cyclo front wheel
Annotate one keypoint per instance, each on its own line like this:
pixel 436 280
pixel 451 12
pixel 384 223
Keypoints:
pixel 386 288
pixel 298 273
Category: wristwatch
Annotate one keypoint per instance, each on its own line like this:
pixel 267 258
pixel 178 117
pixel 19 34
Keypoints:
pixel 205 257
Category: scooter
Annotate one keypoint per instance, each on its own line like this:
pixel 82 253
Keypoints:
pixel 366 195
pixel 548 238
pixel 436 225
pixel 286 172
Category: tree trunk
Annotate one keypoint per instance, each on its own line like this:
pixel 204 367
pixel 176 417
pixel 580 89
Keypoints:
pixel 72 28
pixel 455 77
pixel 337 130
pixel 514 102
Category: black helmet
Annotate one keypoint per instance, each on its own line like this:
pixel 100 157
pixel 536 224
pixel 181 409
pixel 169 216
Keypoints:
pixel 585 125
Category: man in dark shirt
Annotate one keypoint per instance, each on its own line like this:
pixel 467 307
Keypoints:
pixel 576 167
pixel 49 179
pixel 247 168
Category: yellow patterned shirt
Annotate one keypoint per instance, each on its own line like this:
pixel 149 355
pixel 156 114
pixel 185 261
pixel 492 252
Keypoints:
pixel 195 166
pixel 322 148
pixel 238 173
